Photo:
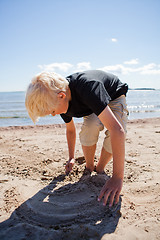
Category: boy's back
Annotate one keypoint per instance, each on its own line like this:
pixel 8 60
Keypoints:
pixel 91 92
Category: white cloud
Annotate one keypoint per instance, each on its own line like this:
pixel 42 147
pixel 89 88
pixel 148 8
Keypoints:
pixel 149 69
pixel 68 68
pixel 83 66
pixel 65 67
pixel 114 39
pixel 56 66
pixel 117 69
pixel 132 61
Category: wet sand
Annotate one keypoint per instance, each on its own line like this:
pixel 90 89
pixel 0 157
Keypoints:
pixel 38 201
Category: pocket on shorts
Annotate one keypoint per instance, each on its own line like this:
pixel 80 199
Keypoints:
pixel 125 111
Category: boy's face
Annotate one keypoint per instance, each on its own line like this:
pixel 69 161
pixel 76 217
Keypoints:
pixel 62 105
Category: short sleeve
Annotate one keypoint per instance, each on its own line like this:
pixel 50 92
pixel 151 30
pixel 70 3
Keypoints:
pixel 66 118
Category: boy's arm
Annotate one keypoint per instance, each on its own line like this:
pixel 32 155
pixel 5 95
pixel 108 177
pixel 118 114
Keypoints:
pixel 71 140
pixel 113 186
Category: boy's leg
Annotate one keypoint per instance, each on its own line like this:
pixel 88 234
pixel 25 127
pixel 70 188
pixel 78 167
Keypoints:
pixel 88 137
pixel 119 108
pixel 89 152
pixel 105 157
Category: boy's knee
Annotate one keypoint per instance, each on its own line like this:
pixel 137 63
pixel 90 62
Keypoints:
pixel 87 136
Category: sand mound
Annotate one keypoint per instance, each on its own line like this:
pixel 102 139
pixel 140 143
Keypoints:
pixel 61 207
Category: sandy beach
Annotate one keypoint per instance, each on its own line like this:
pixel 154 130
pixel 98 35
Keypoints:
pixel 38 201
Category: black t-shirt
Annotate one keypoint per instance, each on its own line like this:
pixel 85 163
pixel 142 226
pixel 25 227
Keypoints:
pixel 91 91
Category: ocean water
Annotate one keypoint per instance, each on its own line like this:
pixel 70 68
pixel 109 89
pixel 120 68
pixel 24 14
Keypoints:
pixel 141 104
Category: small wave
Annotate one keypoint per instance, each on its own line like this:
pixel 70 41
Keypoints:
pixel 6 102
pixel 143 110
pixel 13 111
pixel 142 106
pixel 10 117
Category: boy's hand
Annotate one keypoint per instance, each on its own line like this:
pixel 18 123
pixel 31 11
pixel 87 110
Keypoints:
pixel 69 165
pixel 111 189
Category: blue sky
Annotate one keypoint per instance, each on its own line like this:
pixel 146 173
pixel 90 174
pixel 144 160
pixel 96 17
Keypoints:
pixel 118 36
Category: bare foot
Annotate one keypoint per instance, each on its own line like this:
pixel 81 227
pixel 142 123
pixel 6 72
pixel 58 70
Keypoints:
pixel 100 171
pixel 87 171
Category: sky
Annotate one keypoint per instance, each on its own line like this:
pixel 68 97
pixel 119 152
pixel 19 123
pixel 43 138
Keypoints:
pixel 65 36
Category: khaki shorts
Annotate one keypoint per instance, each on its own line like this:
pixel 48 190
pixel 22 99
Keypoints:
pixel 92 126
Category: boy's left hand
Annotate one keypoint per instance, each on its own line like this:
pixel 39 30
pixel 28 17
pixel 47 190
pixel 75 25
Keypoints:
pixel 111 190
pixel 69 165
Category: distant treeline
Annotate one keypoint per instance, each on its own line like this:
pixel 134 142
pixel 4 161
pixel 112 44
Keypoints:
pixel 142 89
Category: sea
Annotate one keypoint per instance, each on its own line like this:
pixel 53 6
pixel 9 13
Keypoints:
pixel 141 104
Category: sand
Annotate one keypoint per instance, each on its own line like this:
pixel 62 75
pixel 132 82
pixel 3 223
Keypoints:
pixel 38 201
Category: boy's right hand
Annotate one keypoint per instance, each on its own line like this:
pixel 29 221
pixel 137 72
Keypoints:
pixel 70 165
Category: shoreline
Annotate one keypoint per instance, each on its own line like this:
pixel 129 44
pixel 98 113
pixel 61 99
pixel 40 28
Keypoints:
pixel 59 125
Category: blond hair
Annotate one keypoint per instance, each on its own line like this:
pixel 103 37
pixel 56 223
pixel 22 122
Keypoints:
pixel 41 95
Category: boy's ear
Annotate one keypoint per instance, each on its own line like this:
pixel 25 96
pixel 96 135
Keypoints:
pixel 61 95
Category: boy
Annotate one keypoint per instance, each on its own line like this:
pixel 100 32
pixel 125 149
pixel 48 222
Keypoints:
pixel 97 96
